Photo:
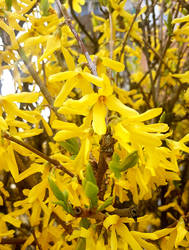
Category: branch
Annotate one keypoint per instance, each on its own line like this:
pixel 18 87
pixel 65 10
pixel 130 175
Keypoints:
pixel 41 85
pixel 106 151
pixel 13 241
pixel 42 155
pixel 68 21
pixel 36 240
pixel 130 28
pixel 92 39
pixel 68 228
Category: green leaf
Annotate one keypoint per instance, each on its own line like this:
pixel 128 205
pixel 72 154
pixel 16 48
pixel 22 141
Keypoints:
pixel 62 204
pixel 71 145
pixel 81 244
pixel 115 165
pixel 107 203
pixel 56 191
pixel 8 4
pixel 91 191
pixel 44 6
pixel 84 222
pixel 162 117
pixel 130 161
pixel 90 175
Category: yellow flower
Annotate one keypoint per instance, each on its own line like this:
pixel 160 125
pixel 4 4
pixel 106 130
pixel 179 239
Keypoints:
pixel 98 105
pixel 74 78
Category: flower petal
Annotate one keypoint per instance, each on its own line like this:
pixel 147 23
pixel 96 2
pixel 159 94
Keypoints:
pixel 61 76
pixel 81 106
pixel 112 64
pixel 123 231
pixel 111 220
pixel 116 105
pixel 99 115
pixel 98 81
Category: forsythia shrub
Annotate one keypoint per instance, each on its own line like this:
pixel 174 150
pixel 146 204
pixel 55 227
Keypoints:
pixel 94 142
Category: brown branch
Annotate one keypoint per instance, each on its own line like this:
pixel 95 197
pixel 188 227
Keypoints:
pixel 106 151
pixel 12 241
pixel 36 240
pixel 68 21
pixel 42 155
pixel 41 85
pixel 92 39
pixel 68 228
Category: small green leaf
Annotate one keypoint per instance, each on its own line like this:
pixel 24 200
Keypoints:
pixel 90 175
pixel 130 161
pixel 8 4
pixel 107 203
pixel 162 117
pixel 81 244
pixel 44 6
pixel 91 191
pixel 62 204
pixel 71 145
pixel 84 222
pixel 56 191
pixel 115 165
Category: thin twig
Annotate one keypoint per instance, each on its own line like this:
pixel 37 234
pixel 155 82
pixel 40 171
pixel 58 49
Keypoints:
pixel 68 21
pixel 106 151
pixel 39 153
pixel 111 43
pixel 36 240
pixel 92 39
pixel 41 85
pixel 68 228
pixel 130 28
pixel 12 241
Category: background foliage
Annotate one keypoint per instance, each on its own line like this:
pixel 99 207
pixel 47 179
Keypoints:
pixel 94 142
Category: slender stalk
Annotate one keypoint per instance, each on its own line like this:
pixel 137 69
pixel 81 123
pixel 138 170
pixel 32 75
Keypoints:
pixel 41 85
pixel 37 152
pixel 92 39
pixel 68 21
pixel 130 29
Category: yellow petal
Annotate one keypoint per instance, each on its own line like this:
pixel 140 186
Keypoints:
pixel 61 76
pixel 11 34
pixel 114 104
pixel 47 127
pixel 123 231
pixel 68 58
pixel 31 170
pixel 149 114
pixel 33 41
pixel 181 232
pixel 8 233
pixel 64 125
pixel 64 92
pixel 146 245
pixel 111 220
pixel 53 43
pixel 3 124
pixel 29 133
pixel 18 124
pixel 113 239
pixel 65 134
pixel 181 19
pixel 11 220
pixel 25 97
pixel 98 81
pixel 157 127
pixel 99 115
pixel 81 106
pixel 112 64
